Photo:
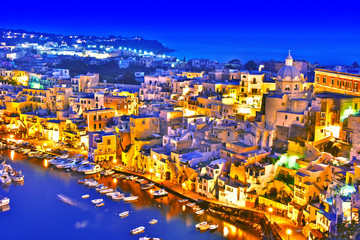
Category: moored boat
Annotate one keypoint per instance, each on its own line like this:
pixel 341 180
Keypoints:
pixel 17 176
pixel 97 201
pixel 137 230
pixel 153 221
pixel 85 196
pixel 160 193
pixel 183 200
pixel 147 186
pixel 131 198
pixel 190 205
pixel 201 224
pixel 124 214
pixel 213 227
pixel 4 201
pixel 200 212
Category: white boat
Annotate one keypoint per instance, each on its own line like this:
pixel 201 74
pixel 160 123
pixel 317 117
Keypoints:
pixel 183 200
pixel 100 204
pixel 131 198
pixel 96 201
pixel 141 180
pixel 110 194
pixel 17 176
pixel 105 191
pixel 196 208
pixel 82 181
pixel 91 169
pixel 4 177
pixel 200 212
pixel 101 188
pixel 137 230
pixel 93 184
pixel 204 227
pixel 108 172
pixel 147 186
pixel 117 196
pixel 85 196
pixel 124 214
pixel 153 221
pixel 213 226
pixel 160 193
pixel 4 201
pixel 200 224
pixel 191 205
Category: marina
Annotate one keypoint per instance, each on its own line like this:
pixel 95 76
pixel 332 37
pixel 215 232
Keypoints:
pixel 81 218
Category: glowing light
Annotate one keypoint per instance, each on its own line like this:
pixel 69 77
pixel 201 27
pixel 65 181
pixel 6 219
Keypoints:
pixel 151 191
pixel 114 180
pixel 226 231
pixel 45 144
pixel 271 210
pixel 114 161
pixel 183 207
pixel 46 163
pixel 12 154
pixel 12 136
pixel 335 130
pixel 288 231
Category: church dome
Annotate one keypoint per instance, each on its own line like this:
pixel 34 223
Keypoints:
pixel 288 71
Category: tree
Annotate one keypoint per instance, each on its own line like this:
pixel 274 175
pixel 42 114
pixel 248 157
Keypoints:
pixel 250 65
pixel 355 65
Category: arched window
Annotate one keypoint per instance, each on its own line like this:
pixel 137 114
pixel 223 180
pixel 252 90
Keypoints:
pixel 287 88
pixel 296 87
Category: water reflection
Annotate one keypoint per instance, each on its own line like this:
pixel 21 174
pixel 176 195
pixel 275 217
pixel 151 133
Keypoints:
pixel 43 183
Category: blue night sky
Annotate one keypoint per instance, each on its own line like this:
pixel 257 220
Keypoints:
pixel 323 31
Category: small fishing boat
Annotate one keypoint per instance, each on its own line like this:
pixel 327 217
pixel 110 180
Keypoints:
pixel 147 186
pixel 190 205
pixel 200 212
pixel 200 224
pixel 117 196
pixel 4 177
pixel 204 227
pixel 153 221
pixel 4 201
pixel 100 204
pixel 105 191
pixel 131 198
pixel 183 200
pixel 137 230
pixel 85 196
pixel 124 214
pixel 110 194
pixel 101 188
pixel 17 176
pixel 160 193
pixel 96 201
pixel 213 227
pixel 107 172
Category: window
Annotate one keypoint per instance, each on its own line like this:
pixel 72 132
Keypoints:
pixel 109 142
pixel 94 118
pixel 287 88
pixel 285 117
pixel 349 84
pixel 356 106
pixel 297 118
pixel 344 84
pixel 356 86
pixel 318 79
pixel 296 87
pixel 332 82
pixel 254 81
pixel 324 80
pixel 94 126
pixel 143 122
pixel 99 125
pixel 228 134
pixel 338 82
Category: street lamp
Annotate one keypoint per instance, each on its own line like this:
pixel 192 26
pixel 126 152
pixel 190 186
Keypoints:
pixel 288 232
pixel 151 170
pixel 183 187
pixel 270 211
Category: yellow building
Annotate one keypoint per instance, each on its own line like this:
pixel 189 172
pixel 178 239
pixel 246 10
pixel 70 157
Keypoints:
pixel 102 147
pixel 96 119
pixel 143 126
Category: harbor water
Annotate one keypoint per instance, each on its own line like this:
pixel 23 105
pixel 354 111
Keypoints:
pixel 35 212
